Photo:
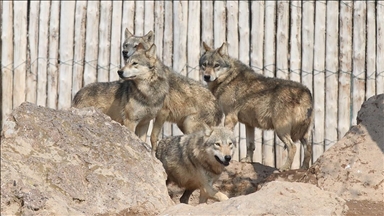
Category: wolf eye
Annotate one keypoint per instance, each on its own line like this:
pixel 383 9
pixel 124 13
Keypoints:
pixel 217 65
pixel 217 144
pixel 204 64
pixel 134 63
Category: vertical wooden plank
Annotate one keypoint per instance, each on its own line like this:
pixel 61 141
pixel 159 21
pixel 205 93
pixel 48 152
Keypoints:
pixel 193 40
pixel 79 47
pixel 53 68
pixel 159 27
pixel 92 39
pixel 168 50
pixel 219 27
pixel 20 54
pixel 43 51
pixel 66 53
pixel 380 48
pixel 244 49
pixel 257 63
pixel 149 15
pixel 139 18
pixel 233 51
pixel 345 58
pixel 332 66
pixel 207 23
pixel 295 60
pixel 269 71
pixel 104 41
pixel 359 43
pixel 180 23
pixel 371 50
pixel 116 42
pixel 319 80
pixel 307 45
pixel 1 80
pixel 6 59
pixel 127 22
pixel 33 42
pixel 282 36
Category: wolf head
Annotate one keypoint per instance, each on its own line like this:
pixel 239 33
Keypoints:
pixel 131 42
pixel 140 65
pixel 220 143
pixel 214 63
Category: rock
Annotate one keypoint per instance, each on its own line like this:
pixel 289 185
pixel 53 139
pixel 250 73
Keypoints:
pixel 275 198
pixel 76 162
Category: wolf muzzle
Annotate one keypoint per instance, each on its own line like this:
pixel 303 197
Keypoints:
pixel 207 78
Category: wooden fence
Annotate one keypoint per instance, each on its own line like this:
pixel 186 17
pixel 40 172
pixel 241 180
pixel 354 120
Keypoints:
pixel 51 49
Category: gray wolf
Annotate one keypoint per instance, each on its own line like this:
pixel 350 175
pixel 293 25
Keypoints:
pixel 195 161
pixel 136 99
pixel 130 43
pixel 189 104
pixel 258 101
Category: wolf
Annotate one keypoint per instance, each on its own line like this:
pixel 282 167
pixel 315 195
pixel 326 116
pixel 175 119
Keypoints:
pixel 258 101
pixel 189 104
pixel 195 161
pixel 134 100
pixel 130 43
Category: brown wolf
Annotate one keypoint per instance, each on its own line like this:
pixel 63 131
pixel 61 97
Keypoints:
pixel 189 104
pixel 131 42
pixel 196 160
pixel 259 101
pixel 136 99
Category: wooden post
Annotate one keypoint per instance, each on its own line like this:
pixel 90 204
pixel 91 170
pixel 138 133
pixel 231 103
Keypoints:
pixel 331 74
pixel 66 53
pixel 295 61
pixel 206 24
pixel 32 51
pixel 359 43
pixel 282 35
pixel 139 18
pixel 219 27
pixel 104 42
pixel 42 54
pixel 269 71
pixel 193 40
pixel 116 43
pixel 257 63
pixel 371 50
pixel 127 22
pixel 92 38
pixel 345 58
pixel 79 47
pixel 380 48
pixel 319 80
pixel 149 15
pixel 180 23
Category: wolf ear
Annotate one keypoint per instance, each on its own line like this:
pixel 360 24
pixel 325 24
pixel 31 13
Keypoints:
pixel 150 37
pixel 206 47
pixel 151 52
pixel 139 47
pixel 223 50
pixel 207 130
pixel 128 34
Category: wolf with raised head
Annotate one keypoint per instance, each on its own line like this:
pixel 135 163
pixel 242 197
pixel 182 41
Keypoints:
pixel 258 101
pixel 195 161
pixel 136 99
pixel 189 104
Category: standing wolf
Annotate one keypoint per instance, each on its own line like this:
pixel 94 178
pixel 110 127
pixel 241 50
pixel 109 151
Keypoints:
pixel 189 104
pixel 195 161
pixel 259 101
pixel 134 101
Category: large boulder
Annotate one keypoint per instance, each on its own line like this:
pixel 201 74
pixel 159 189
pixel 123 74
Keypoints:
pixel 275 198
pixel 76 162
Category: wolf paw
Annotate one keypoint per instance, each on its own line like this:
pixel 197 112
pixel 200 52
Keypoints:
pixel 246 160
pixel 284 168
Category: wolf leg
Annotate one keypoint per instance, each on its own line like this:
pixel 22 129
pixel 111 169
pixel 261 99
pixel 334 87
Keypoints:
pixel 157 125
pixel 185 197
pixel 291 148
pixel 307 152
pixel 131 125
pixel 250 139
pixel 141 131
pixel 210 192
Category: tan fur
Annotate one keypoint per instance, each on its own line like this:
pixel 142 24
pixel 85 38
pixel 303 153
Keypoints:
pixel 135 100
pixel 258 101
pixel 196 160
pixel 189 104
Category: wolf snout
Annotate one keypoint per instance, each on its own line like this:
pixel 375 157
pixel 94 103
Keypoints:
pixel 207 78
pixel 120 72
pixel 227 158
